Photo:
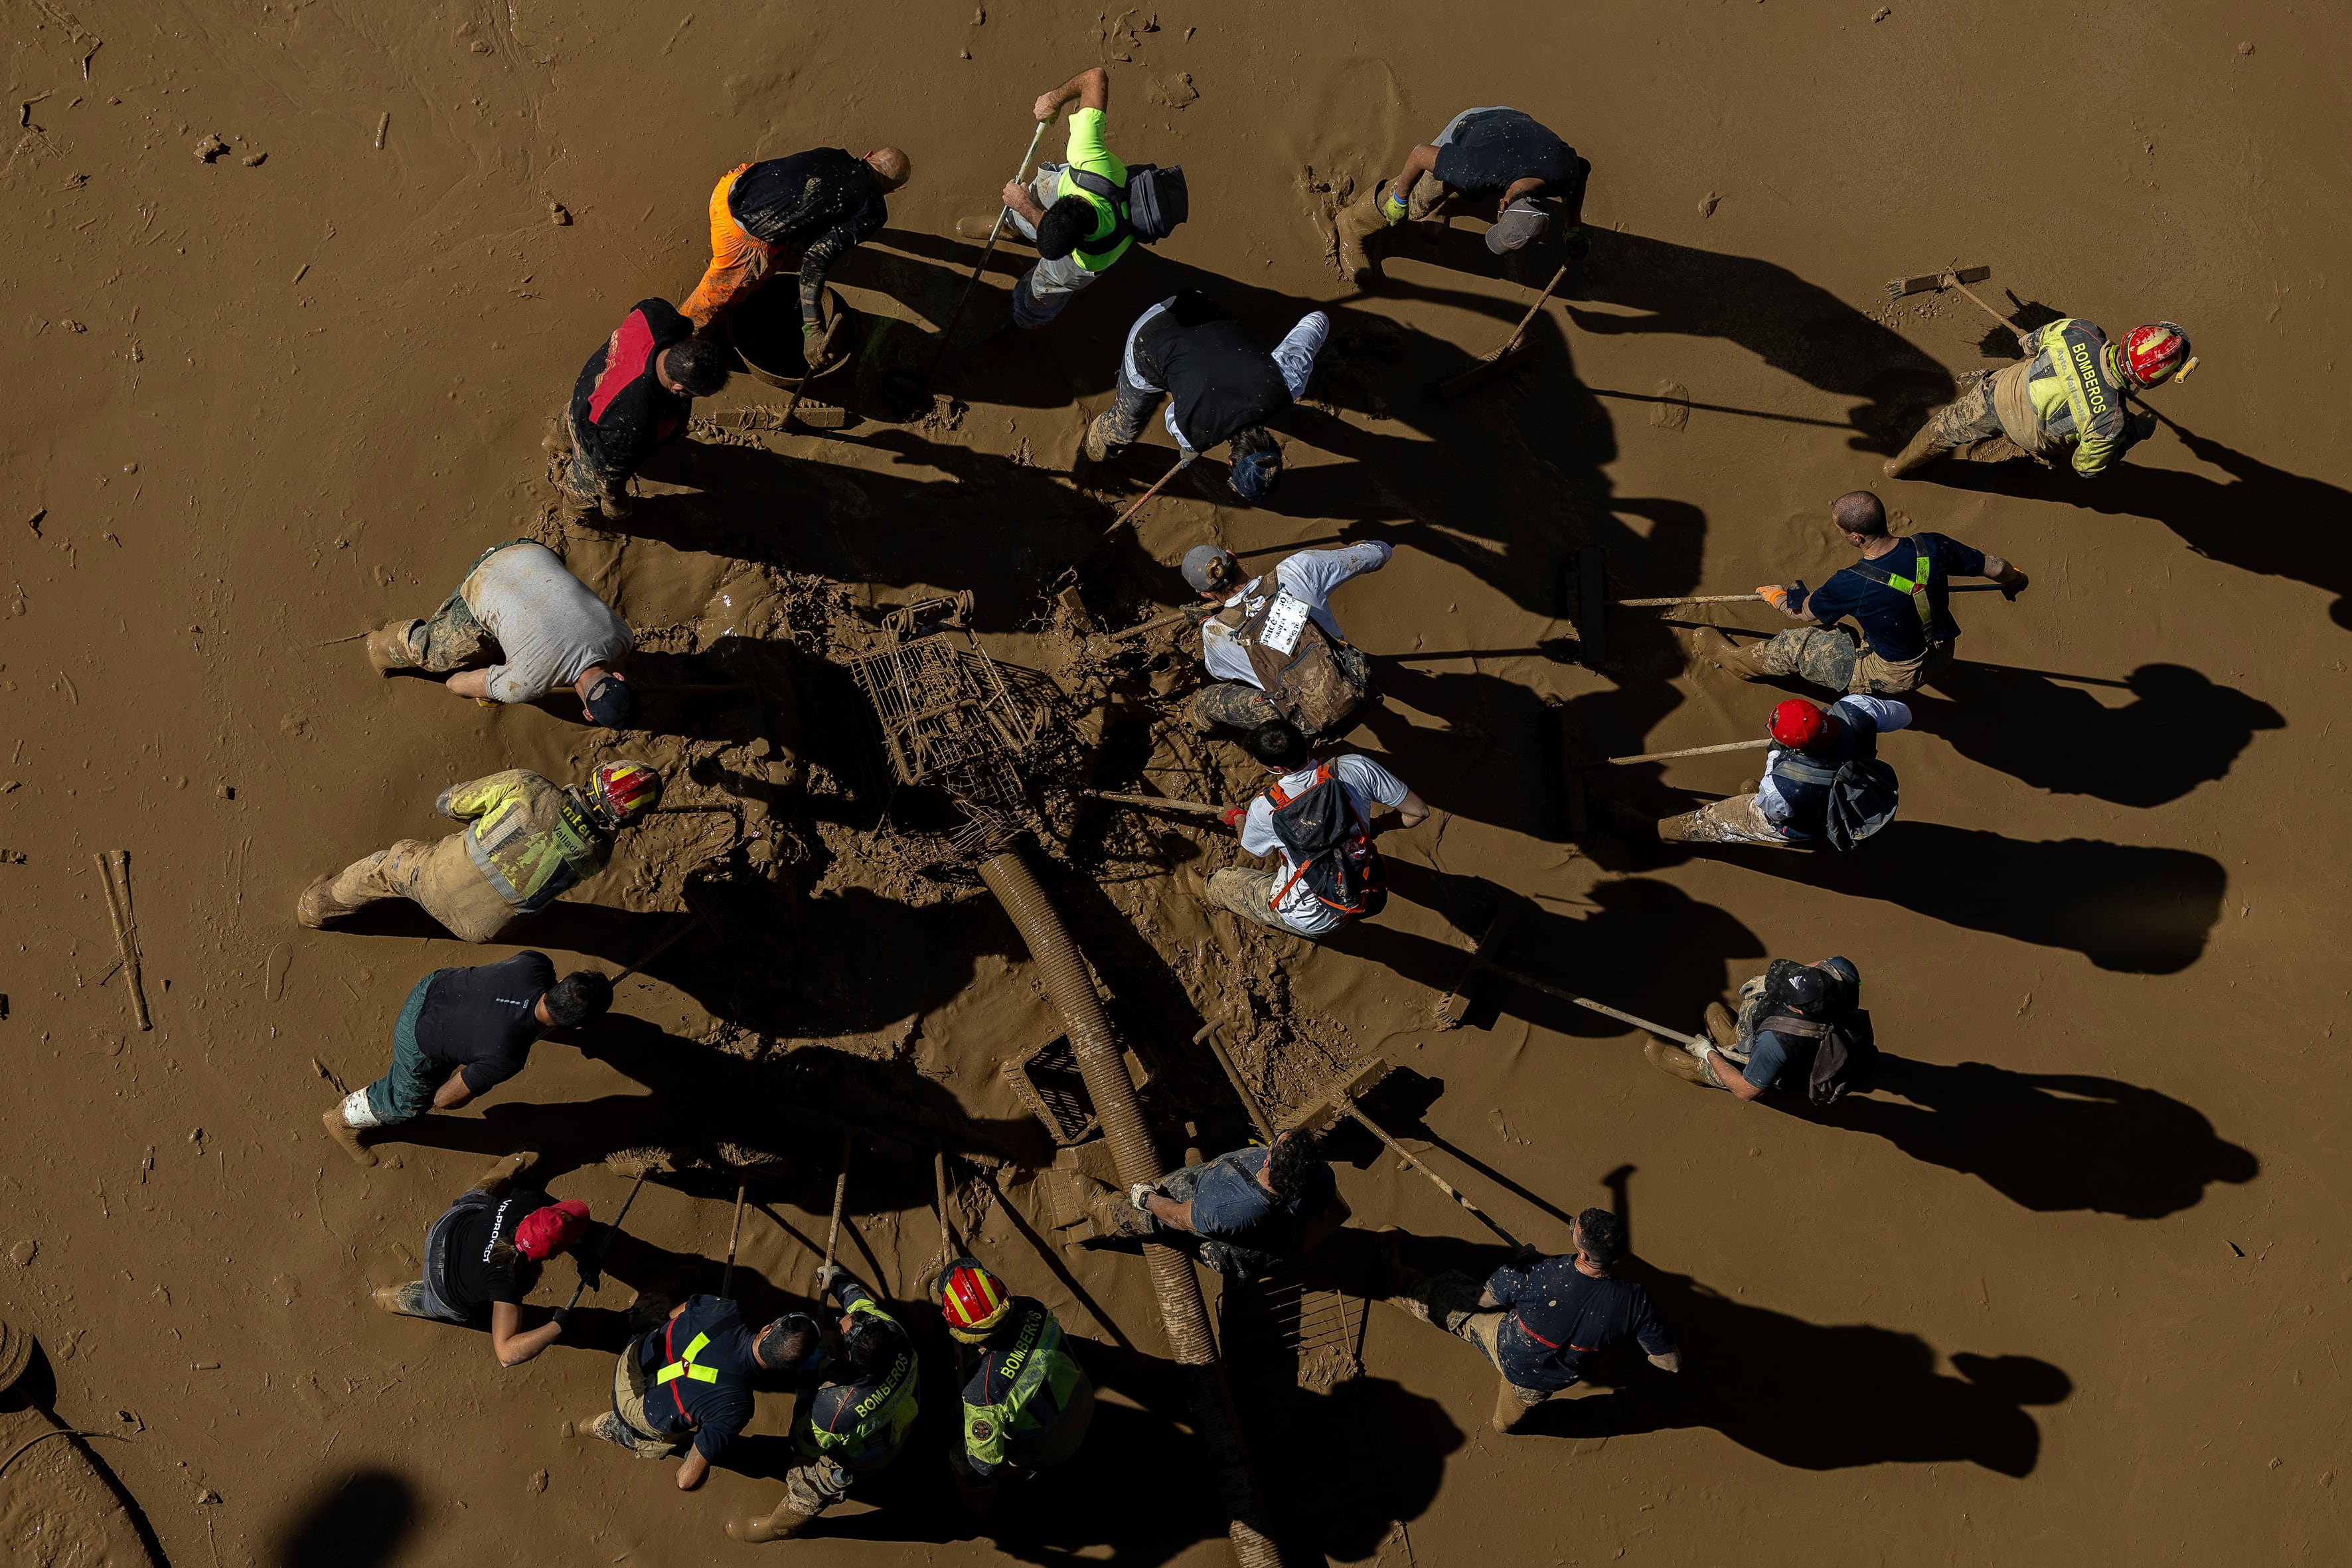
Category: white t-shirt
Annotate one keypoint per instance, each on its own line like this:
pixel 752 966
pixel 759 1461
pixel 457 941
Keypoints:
pixel 1310 576
pixel 1890 715
pixel 1362 779
pixel 547 623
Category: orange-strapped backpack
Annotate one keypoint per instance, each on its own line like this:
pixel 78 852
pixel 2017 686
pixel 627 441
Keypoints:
pixel 1343 867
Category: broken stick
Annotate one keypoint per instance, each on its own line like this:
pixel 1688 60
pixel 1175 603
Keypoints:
pixel 126 930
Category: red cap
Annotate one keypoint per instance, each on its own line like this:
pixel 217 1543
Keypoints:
pixel 545 1232
pixel 1801 725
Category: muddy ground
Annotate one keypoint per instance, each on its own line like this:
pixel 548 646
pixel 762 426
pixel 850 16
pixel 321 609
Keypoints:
pixel 2072 1287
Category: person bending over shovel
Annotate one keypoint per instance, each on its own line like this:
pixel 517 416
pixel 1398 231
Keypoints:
pixel 2064 399
pixel 1540 1319
pixel 482 1257
pixel 1822 783
pixel 1317 818
pixel 1277 646
pixel 1219 385
pixel 1499 156
pixel 1800 1031
pixel 632 398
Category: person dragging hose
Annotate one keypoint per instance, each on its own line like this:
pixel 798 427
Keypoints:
pixel 1243 1213
pixel 1899 593
pixel 1800 1031
pixel 1822 783
pixel 1541 1320
pixel 1318 819
pixel 1026 1403
pixel 1500 155
pixel 802 213
pixel 525 840
pixel 546 626
pixel 482 1257
pixel 853 1409
pixel 632 398
pixel 1276 647
pixel 2063 400
pixel 1219 385
pixel 682 1389
pixel 461 1033
pixel 1076 212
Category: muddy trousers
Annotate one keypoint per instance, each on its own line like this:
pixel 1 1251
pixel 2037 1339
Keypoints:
pixel 1829 657
pixel 739 262
pixel 1449 1299
pixel 1048 286
pixel 1247 893
pixel 438 876
pixel 632 1426
pixel 813 1486
pixel 1238 705
pixel 584 483
pixel 1738 820
pixel 1971 426
pixel 1131 403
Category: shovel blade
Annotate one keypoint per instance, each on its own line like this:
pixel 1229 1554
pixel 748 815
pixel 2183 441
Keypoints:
pixel 1485 369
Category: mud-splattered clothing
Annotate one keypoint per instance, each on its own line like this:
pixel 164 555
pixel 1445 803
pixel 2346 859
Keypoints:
pixel 545 623
pixel 530 837
pixel 2071 396
pixel 1558 1317
pixel 621 413
pixel 1026 1403
pixel 816 204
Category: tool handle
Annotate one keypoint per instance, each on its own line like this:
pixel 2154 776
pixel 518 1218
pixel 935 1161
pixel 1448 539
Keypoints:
pixel 1146 496
pixel 1208 1037
pixel 840 1191
pixel 1160 802
pixel 1685 752
pixel 940 1192
pixel 1152 625
pixel 672 940
pixel 1997 315
pixel 728 1278
pixel 996 233
pixel 1743 598
pixel 1532 983
pixel 606 1245
pixel 815 362
pixel 1513 340
pixel 1343 1103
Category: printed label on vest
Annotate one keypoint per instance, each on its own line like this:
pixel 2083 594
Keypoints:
pixel 1285 618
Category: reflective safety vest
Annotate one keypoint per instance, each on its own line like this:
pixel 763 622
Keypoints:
pixel 880 1412
pixel 1917 588
pixel 684 1365
pixel 1040 1382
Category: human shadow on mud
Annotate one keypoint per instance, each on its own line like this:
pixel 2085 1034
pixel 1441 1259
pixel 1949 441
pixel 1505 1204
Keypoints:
pixel 2135 908
pixel 358 1519
pixel 2257 518
pixel 2052 1143
pixel 2180 730
pixel 1814 1396
pixel 1610 953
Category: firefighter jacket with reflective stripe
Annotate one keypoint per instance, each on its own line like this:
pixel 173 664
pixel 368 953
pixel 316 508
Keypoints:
pixel 863 1423
pixel 529 836
pixel 1022 1385
pixel 2076 394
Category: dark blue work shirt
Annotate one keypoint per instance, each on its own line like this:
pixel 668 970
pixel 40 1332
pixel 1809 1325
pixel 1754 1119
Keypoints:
pixel 1229 1204
pixel 714 1410
pixel 1889 616
pixel 1561 1317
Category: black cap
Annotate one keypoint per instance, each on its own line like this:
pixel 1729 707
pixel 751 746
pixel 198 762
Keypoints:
pixel 611 703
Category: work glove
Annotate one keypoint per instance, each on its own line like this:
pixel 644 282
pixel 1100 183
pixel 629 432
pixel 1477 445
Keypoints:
pixel 1773 595
pixel 1140 1191
pixel 1392 207
pixel 590 1275
pixel 829 1278
pixel 1232 816
pixel 1186 461
pixel 1575 244
pixel 2010 590
pixel 562 1318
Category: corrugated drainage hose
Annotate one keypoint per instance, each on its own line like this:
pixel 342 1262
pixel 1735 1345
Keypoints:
pixel 1181 1309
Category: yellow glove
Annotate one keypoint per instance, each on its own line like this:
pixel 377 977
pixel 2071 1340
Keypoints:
pixel 1774 595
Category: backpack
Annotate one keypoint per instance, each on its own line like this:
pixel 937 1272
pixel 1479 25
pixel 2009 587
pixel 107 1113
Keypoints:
pixel 1155 200
pixel 1862 801
pixel 1845 1056
pixel 1296 664
pixel 1342 869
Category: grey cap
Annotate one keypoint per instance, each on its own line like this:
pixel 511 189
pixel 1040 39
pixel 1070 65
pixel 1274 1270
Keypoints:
pixel 1522 223
pixel 1206 568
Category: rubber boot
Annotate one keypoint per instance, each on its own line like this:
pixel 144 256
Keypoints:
pixel 344 1133
pixel 1676 1062
pixel 1721 1027
pixel 1100 449
pixel 405 1300
pixel 1509 1412
pixel 781 1525
pixel 387 647
pixel 1725 655
pixel 316 907
pixel 1355 224
pixel 1924 447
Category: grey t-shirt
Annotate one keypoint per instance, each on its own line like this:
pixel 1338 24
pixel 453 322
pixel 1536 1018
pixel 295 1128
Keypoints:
pixel 547 623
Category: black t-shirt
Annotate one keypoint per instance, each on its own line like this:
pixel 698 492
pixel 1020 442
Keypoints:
pixel 1219 381
pixel 619 406
pixel 470 1281
pixel 1496 148
pixel 1889 616
pixel 480 1020
pixel 792 201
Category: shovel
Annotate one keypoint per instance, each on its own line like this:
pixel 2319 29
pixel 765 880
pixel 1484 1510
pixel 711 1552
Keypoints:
pixel 1499 360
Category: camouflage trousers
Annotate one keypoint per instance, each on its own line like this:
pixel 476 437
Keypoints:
pixel 1829 657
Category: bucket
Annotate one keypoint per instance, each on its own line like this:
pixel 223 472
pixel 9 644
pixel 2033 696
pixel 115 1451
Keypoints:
pixel 766 335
